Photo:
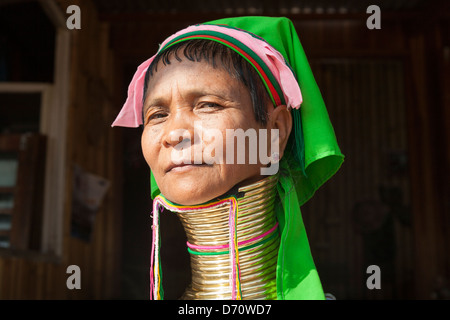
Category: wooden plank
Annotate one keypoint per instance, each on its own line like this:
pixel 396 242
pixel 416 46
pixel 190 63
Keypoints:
pixel 40 281
pixel 5 233
pixel 110 251
pixel 7 211
pixel 55 181
pixel 7 189
pixel 52 285
pixel 14 274
pixel 420 169
pixel 2 277
pixel 27 200
pixel 21 278
pixel 21 87
pixel 10 142
pixel 444 67
pixel 7 279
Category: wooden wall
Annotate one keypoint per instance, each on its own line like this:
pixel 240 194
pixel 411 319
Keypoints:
pixel 95 146
pixel 386 94
pixel 362 217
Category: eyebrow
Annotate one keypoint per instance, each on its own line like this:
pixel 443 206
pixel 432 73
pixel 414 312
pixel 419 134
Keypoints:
pixel 153 103
pixel 160 101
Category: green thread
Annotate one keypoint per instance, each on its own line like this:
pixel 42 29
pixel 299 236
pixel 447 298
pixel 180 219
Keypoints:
pixel 205 253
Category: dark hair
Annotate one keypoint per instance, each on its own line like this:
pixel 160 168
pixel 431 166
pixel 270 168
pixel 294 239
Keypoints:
pixel 217 54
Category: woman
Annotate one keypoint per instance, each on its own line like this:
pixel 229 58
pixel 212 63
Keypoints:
pixel 241 79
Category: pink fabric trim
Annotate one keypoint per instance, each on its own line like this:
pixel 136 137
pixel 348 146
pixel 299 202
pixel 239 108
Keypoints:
pixel 225 246
pixel 154 253
pixel 232 253
pixel 131 113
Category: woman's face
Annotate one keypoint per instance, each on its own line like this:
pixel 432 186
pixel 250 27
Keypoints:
pixel 188 109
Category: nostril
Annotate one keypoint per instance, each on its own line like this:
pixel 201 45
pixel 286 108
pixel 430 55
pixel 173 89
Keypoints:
pixel 176 137
pixel 184 142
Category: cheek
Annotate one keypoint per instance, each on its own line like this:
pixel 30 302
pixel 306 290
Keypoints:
pixel 242 139
pixel 149 145
pixel 212 133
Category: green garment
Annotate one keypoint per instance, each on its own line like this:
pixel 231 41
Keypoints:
pixel 311 158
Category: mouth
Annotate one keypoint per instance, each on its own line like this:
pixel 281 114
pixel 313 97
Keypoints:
pixel 182 167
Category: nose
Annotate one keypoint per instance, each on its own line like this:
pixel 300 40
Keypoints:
pixel 176 137
pixel 178 129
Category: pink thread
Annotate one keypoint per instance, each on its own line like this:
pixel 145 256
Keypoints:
pixel 187 208
pixel 235 268
pixel 225 246
pixel 231 225
pixel 155 234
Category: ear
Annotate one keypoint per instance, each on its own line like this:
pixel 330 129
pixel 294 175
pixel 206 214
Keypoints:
pixel 280 118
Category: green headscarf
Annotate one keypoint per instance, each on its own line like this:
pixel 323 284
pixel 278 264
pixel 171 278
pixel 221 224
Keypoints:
pixel 311 158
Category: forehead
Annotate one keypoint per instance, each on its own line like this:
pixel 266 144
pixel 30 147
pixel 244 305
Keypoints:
pixel 196 76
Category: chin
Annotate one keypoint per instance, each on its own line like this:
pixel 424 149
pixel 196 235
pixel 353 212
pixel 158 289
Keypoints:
pixel 192 194
pixel 188 199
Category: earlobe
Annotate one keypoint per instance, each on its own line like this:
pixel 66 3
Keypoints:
pixel 281 119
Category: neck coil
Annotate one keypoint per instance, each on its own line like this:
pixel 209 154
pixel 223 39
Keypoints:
pixel 233 244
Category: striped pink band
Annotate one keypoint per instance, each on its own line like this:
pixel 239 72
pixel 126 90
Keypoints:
pixel 226 246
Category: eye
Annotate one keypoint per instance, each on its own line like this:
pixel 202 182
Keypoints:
pixel 210 105
pixel 158 115
pixel 155 116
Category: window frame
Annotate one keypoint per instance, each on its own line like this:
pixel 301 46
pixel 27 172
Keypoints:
pixel 53 124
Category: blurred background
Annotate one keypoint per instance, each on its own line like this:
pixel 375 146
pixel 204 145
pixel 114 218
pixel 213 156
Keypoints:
pixel 74 191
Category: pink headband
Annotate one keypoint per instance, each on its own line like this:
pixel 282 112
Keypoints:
pixel 131 113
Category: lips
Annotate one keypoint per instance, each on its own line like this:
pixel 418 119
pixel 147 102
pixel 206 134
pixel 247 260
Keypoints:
pixel 182 167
